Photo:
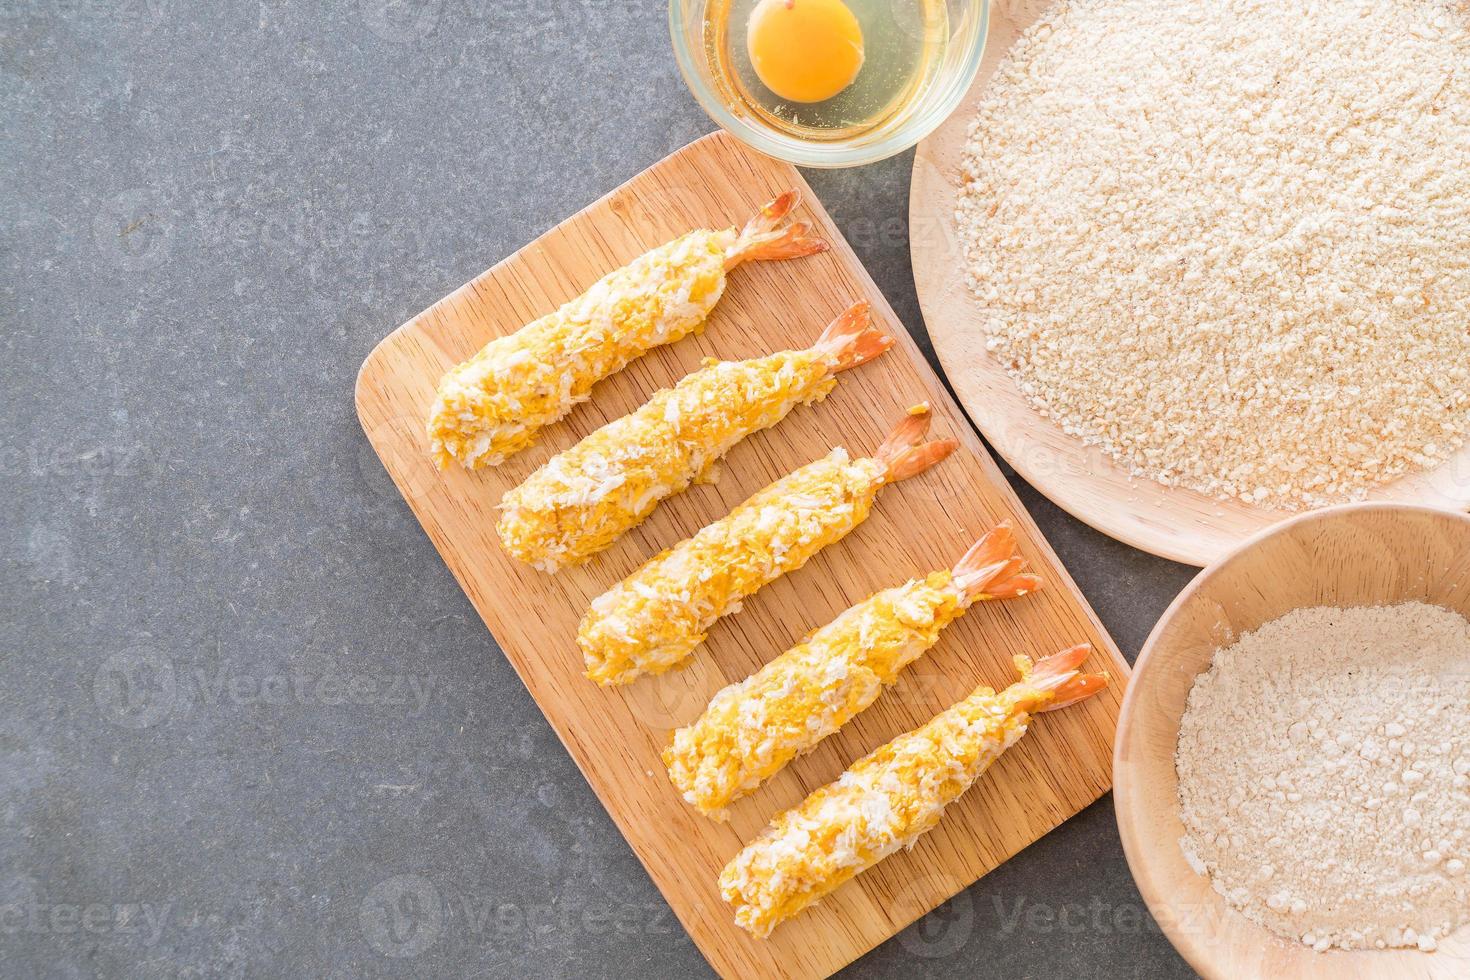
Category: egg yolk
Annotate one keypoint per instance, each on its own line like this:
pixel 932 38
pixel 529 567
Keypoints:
pixel 804 50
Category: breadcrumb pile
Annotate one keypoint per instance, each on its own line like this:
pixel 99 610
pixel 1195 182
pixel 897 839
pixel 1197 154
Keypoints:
pixel 1228 241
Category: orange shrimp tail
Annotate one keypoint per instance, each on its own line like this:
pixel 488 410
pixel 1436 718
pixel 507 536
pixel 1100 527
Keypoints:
pixel 1057 675
pixel 764 239
pixel 852 338
pixel 991 563
pixel 1051 671
pixel 905 454
pixel 912 462
pixel 1013 587
pixel 1078 687
pixel 774 211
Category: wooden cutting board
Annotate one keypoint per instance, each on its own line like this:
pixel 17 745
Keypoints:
pixel 917 526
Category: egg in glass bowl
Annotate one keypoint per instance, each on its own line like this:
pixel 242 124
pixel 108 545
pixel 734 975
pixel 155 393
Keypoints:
pixel 829 83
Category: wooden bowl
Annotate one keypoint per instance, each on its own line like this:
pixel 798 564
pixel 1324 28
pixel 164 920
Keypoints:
pixel 1171 522
pixel 1354 555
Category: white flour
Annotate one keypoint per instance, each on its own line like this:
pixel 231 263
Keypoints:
pixel 1324 775
pixel 1227 241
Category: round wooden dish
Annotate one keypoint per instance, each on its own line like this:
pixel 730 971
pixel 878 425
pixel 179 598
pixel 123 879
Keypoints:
pixel 1358 554
pixel 1173 523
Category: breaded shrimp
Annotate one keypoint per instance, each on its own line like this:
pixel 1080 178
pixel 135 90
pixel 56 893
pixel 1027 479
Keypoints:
pixel 886 800
pixel 656 616
pixel 584 499
pixel 752 729
pixel 495 403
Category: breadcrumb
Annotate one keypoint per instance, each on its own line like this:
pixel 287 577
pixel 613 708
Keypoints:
pixel 1228 242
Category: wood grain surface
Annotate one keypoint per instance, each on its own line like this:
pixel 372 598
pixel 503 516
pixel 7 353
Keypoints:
pixel 924 523
pixel 1174 523
pixel 1365 554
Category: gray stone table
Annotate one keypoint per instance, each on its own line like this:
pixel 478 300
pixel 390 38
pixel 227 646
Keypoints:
pixel 249 725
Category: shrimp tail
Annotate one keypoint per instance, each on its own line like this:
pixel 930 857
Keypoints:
pixel 1058 676
pixel 993 568
pixel 1051 671
pixel 1014 586
pixel 1079 687
pixel 764 238
pixel 852 339
pixel 905 454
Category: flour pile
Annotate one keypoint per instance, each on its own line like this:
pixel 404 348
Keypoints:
pixel 1324 775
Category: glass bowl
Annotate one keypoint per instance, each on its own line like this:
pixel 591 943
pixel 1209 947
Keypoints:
pixel 920 115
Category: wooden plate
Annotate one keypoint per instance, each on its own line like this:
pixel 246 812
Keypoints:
pixel 1179 524
pixel 1354 555
pixel 615 736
